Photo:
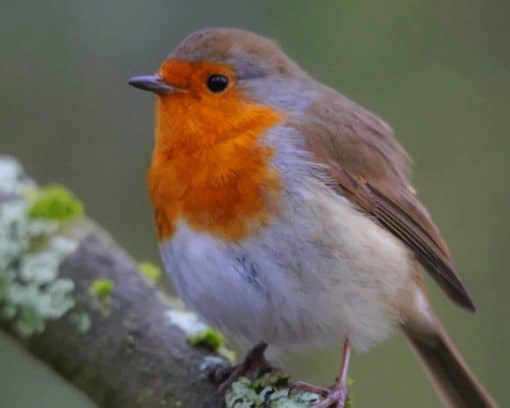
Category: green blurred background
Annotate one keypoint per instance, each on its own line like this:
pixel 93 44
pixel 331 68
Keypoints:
pixel 438 71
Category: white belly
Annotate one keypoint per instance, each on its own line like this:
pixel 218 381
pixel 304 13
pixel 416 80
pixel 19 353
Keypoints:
pixel 321 272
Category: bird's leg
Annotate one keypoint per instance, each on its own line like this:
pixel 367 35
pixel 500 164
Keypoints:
pixel 336 397
pixel 253 365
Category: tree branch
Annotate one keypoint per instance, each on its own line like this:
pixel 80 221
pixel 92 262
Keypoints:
pixel 121 349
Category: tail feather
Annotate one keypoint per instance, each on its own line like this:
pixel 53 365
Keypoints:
pixel 456 384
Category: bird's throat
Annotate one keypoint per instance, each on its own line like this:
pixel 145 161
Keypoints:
pixel 211 168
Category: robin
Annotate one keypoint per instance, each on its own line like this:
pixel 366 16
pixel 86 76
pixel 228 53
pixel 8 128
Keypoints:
pixel 285 214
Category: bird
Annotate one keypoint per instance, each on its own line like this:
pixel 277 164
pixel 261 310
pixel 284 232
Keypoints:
pixel 285 214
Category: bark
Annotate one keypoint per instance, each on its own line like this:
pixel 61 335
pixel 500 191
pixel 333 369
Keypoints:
pixel 130 355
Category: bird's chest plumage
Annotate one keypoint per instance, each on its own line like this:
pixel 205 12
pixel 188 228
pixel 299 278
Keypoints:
pixel 210 168
pixel 317 271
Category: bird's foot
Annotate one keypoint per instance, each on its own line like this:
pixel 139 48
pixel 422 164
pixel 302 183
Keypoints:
pixel 253 366
pixel 333 398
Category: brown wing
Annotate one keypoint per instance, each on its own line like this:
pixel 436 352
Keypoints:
pixel 368 166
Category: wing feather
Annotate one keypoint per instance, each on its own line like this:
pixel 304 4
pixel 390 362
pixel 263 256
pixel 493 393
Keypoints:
pixel 366 164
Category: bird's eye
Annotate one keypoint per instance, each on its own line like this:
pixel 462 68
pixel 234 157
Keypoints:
pixel 217 83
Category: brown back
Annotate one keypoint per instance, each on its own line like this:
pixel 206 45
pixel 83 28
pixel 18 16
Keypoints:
pixel 367 165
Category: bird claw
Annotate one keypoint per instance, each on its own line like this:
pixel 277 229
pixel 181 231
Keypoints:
pixel 252 366
pixel 333 398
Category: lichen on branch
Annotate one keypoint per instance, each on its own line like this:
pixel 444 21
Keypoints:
pixel 31 250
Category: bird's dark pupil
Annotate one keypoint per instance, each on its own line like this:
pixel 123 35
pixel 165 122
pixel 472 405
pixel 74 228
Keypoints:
pixel 217 83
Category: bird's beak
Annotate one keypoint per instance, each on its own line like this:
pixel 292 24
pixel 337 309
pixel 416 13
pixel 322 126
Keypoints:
pixel 152 83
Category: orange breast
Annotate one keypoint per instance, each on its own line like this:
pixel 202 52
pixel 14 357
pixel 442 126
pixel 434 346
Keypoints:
pixel 210 167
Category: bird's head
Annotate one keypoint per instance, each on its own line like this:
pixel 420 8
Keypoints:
pixel 216 62
pixel 218 79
